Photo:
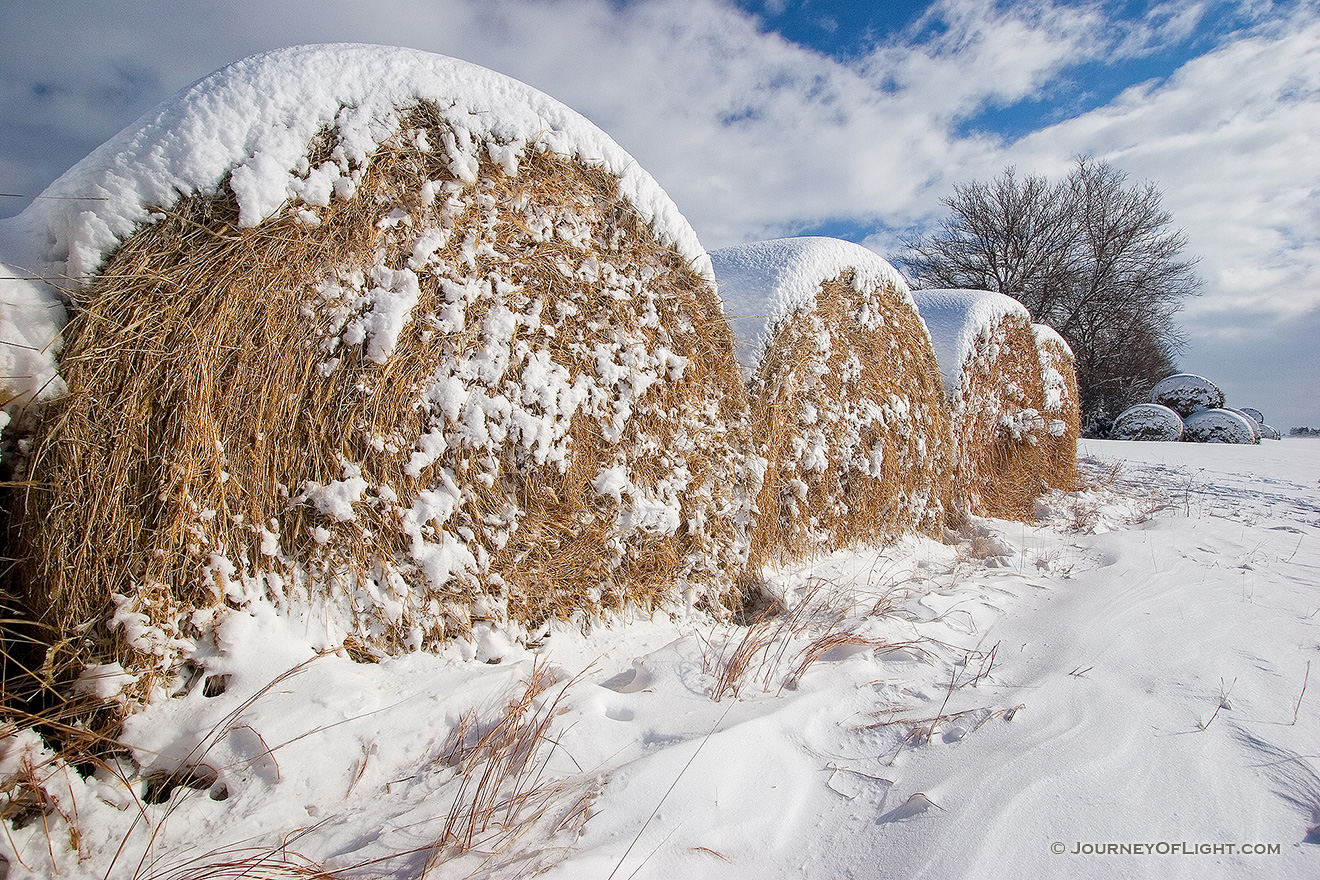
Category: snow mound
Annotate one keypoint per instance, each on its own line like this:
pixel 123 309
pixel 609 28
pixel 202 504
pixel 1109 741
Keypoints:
pixel 1185 393
pixel 1218 426
pixel 765 281
pixel 251 122
pixel 1148 421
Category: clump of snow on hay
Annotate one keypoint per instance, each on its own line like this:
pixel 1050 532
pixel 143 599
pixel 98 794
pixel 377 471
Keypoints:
pixel 1218 426
pixel 1185 393
pixel 991 368
pixel 31 315
pixel 847 405
pixel 390 344
pixel 1063 406
pixel 1148 421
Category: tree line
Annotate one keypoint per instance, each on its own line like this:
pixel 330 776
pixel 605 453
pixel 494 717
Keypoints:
pixel 1092 256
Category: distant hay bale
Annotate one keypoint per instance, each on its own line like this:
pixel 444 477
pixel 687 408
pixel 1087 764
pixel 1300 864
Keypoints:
pixel 991 368
pixel 846 401
pixel 1218 426
pixel 464 372
pixel 1185 393
pixel 1251 421
pixel 1148 421
pixel 1063 407
pixel 1269 432
pixel 1254 413
pixel 31 315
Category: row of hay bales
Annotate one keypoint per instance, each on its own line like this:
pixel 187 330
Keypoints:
pixel 421 355
pixel 1189 407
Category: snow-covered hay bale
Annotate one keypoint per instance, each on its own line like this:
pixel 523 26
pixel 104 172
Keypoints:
pixel 1148 421
pixel 419 353
pixel 1255 414
pixel 1252 423
pixel 1270 433
pixel 1218 426
pixel 1185 393
pixel 991 368
pixel 847 405
pixel 1063 406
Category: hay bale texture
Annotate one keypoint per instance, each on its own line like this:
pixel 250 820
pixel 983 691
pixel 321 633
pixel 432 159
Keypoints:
pixel 418 353
pixel 991 367
pixel 1063 407
pixel 846 400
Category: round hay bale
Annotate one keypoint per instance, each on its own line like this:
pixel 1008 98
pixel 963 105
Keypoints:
pixel 1270 433
pixel 1063 407
pixel 991 368
pixel 1251 423
pixel 1218 426
pixel 1148 421
pixel 1185 393
pixel 1255 414
pixel 846 401
pixel 419 354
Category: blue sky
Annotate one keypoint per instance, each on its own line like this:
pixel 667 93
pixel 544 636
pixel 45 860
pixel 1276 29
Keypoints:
pixel 764 118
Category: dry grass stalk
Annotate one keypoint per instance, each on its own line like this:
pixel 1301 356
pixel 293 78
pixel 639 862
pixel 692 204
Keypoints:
pixel 1003 462
pixel 854 431
pixel 1063 412
pixel 219 379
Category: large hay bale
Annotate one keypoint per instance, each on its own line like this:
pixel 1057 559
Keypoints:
pixel 1218 426
pixel 1148 421
pixel 1063 406
pixel 1251 421
pixel 1185 393
pixel 419 353
pixel 846 398
pixel 991 368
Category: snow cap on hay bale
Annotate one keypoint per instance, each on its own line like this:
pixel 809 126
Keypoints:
pixel 1185 393
pixel 419 353
pixel 1063 406
pixel 846 399
pixel 991 368
pixel 1218 426
pixel 1255 414
pixel 1148 421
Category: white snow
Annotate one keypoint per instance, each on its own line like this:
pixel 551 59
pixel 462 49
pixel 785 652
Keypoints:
pixel 254 120
pixel 956 320
pixel 1126 688
pixel 31 315
pixel 765 281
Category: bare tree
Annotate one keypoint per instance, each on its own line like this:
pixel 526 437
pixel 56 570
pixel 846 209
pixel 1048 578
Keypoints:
pixel 1092 256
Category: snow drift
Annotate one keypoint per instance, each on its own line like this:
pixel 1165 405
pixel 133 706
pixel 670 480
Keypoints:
pixel 845 393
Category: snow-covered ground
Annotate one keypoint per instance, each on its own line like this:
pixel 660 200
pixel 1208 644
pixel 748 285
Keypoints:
pixel 1118 690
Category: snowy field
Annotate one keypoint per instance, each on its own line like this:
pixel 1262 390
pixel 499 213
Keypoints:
pixel 1118 690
